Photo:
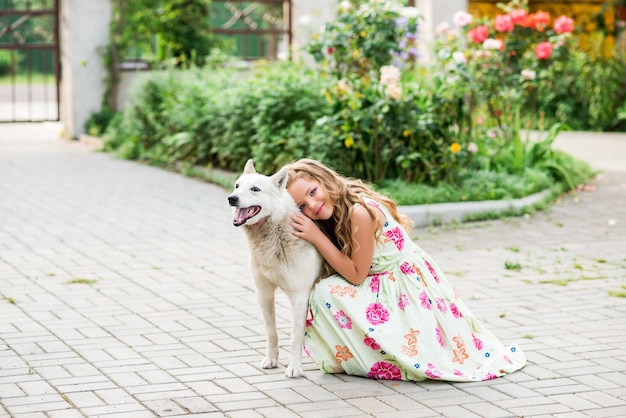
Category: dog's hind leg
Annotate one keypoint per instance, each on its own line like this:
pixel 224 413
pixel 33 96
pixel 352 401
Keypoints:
pixel 299 305
pixel 265 296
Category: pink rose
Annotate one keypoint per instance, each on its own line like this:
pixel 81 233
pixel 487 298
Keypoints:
pixel 433 372
pixel 479 34
pixel 343 320
pixel 377 314
pixel 455 311
pixel 371 343
pixel 519 17
pixel 441 305
pixel 504 23
pixel 543 50
pixel 375 283
pixel 462 19
pixel 406 268
pixel 477 342
pixel 384 370
pixel 439 337
pixel 396 236
pixel 563 24
pixel 432 271
pixel 426 302
pixel 403 302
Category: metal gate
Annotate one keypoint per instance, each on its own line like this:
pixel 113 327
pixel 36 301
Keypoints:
pixel 256 29
pixel 29 60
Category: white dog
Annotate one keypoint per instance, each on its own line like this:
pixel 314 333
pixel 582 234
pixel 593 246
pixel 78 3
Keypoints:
pixel 262 206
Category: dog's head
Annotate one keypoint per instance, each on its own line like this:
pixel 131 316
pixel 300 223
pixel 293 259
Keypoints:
pixel 257 197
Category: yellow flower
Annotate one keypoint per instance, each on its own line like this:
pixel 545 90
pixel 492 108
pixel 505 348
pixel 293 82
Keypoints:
pixel 355 53
pixel 349 141
pixel 362 34
pixel 455 147
pixel 406 133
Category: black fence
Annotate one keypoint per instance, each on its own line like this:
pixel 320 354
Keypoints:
pixel 29 60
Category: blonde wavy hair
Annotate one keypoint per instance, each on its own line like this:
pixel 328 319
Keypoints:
pixel 344 193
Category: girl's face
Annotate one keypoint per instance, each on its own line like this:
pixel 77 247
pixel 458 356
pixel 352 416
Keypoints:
pixel 311 199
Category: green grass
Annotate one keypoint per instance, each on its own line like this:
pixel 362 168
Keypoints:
pixel 80 280
pixel 566 281
pixel 618 293
pixel 475 186
pixel 509 265
pixel 8 299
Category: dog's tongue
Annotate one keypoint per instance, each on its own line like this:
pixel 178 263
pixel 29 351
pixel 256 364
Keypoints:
pixel 243 214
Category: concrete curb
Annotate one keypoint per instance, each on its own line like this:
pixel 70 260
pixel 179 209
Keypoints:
pixel 421 215
pixel 444 213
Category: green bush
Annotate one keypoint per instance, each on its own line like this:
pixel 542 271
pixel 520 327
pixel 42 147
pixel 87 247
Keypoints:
pixel 222 118
pixel 5 63
pixel 474 186
pixel 423 135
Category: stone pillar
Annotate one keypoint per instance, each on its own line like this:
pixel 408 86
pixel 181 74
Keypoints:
pixel 435 12
pixel 84 28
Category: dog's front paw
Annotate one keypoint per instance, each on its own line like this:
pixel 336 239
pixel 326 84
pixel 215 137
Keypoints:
pixel 269 362
pixel 292 372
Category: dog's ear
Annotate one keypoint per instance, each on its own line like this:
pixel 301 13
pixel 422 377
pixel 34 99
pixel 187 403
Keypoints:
pixel 280 178
pixel 249 168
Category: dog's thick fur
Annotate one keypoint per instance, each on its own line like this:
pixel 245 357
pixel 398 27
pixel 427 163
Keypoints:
pixel 262 206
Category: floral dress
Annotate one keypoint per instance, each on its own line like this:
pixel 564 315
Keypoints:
pixel 404 322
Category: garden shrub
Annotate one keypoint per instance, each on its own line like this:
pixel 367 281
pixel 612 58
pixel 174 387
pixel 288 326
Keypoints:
pixel 222 117
pixel 370 112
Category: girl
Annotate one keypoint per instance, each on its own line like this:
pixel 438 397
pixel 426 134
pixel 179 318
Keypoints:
pixel 386 311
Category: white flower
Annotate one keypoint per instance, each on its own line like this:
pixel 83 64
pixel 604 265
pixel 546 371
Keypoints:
pixel 462 19
pixel 442 28
pixel 409 12
pixel 529 74
pixel 472 148
pixel 389 75
pixel 305 20
pixel 394 91
pixel 492 43
pixel 345 6
pixel 459 57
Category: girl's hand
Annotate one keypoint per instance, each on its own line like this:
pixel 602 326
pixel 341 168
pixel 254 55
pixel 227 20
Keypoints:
pixel 304 227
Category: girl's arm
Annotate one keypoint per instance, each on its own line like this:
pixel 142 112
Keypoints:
pixel 353 269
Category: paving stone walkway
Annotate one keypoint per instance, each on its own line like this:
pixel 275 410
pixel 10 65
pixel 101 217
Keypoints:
pixel 124 292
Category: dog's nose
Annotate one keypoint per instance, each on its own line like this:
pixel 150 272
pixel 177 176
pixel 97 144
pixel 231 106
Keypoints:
pixel 233 200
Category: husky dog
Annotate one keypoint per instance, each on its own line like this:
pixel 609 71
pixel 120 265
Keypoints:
pixel 262 206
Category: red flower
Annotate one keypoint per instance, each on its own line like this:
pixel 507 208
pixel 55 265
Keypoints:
pixel 520 17
pixel 384 370
pixel 377 314
pixel 371 343
pixel 563 24
pixel 479 34
pixel 543 51
pixel 396 236
pixel 331 50
pixel 539 20
pixel 504 23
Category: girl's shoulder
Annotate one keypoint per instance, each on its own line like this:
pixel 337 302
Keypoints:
pixel 373 202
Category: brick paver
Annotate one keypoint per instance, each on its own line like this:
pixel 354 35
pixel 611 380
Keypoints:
pixel 125 292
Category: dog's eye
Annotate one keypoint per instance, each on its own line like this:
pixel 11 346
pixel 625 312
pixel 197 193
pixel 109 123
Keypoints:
pixel 255 189
pixel 236 185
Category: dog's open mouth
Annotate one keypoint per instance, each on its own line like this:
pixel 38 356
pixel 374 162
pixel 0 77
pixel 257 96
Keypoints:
pixel 243 214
